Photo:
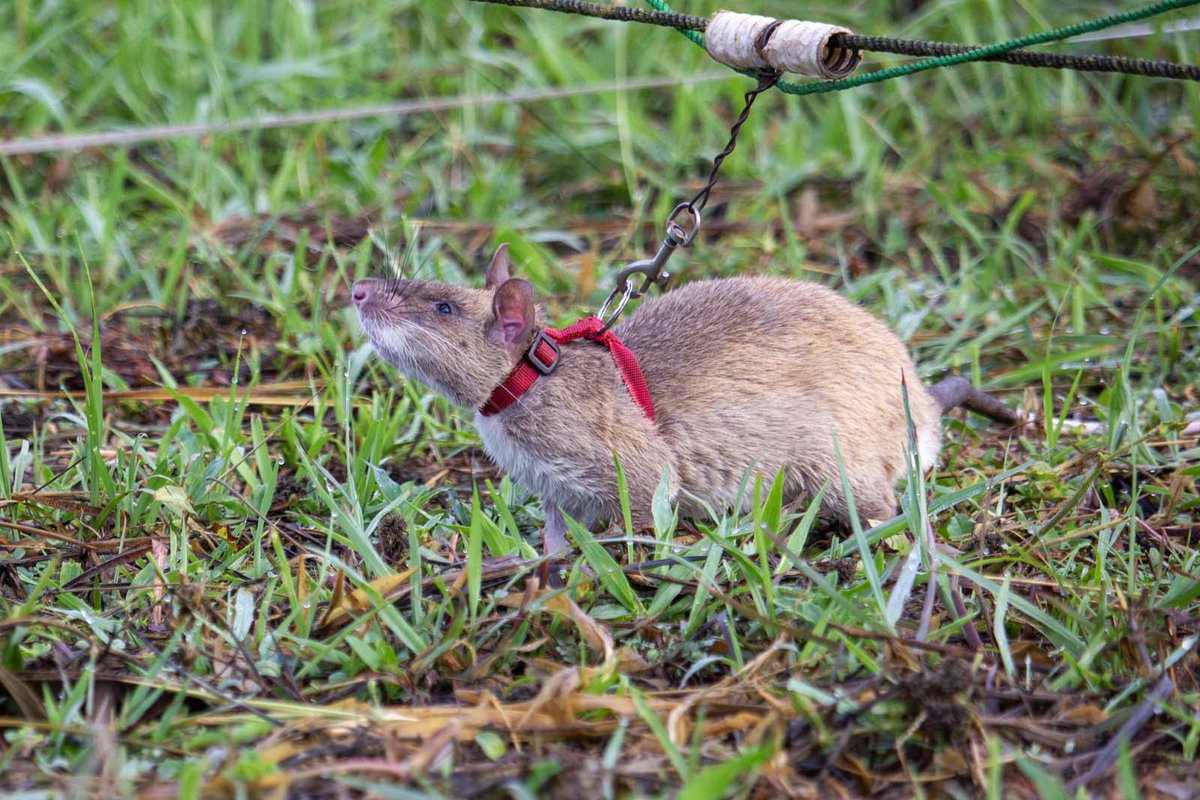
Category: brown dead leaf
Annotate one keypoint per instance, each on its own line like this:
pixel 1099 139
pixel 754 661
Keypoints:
pixel 1139 205
pixel 435 748
pixel 585 275
pixel 344 607
pixel 74 502
pixel 951 761
pixel 283 393
pixel 806 211
pixel 1186 165
pixel 25 698
pixel 1086 714
pixel 857 767
pixel 596 635
pixel 901 657
pixel 1031 649
pixel 125 556
pixel 554 699
pixel 160 553
pixel 267 232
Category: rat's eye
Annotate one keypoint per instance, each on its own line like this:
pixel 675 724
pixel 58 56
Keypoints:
pixel 444 308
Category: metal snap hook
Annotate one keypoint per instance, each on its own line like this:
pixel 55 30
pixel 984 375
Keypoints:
pixel 682 226
pixel 626 292
pixel 684 234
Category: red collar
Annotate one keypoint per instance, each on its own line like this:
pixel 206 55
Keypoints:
pixel 544 354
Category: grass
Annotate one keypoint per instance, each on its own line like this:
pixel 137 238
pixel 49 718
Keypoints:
pixel 239 555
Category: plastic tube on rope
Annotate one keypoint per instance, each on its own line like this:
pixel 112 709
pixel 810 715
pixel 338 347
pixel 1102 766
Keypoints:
pixel 795 46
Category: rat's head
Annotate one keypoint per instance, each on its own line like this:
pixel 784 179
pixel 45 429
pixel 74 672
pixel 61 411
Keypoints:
pixel 460 341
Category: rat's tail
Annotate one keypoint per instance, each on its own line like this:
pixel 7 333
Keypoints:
pixel 954 392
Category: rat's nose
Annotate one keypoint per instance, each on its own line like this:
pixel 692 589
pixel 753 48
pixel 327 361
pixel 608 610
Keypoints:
pixel 360 292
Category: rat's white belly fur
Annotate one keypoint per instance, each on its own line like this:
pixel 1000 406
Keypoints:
pixel 554 480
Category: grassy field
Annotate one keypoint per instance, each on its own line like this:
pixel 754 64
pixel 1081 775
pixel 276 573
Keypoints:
pixel 240 556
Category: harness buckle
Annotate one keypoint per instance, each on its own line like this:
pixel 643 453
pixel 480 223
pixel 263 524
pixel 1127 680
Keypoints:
pixel 540 364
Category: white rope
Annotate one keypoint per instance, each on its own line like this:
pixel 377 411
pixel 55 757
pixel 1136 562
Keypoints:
pixel 795 46
pixel 63 142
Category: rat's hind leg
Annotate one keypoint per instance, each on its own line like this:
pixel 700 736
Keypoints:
pixel 554 532
pixel 873 501
pixel 875 504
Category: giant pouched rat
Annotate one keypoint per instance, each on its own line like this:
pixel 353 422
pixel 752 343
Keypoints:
pixel 745 373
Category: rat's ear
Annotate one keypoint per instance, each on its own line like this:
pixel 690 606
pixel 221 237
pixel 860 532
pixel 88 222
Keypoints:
pixel 512 305
pixel 500 268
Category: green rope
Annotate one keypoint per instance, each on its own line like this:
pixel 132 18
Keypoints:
pixel 976 54
pixel 881 44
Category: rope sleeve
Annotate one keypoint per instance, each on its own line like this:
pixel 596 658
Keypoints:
pixel 794 45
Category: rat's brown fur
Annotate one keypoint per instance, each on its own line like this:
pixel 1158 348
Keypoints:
pixel 748 373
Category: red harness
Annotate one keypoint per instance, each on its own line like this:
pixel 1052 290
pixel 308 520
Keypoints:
pixel 543 356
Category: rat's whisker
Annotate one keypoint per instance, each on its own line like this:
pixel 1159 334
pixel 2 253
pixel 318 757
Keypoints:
pixel 444 345
pixel 417 267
